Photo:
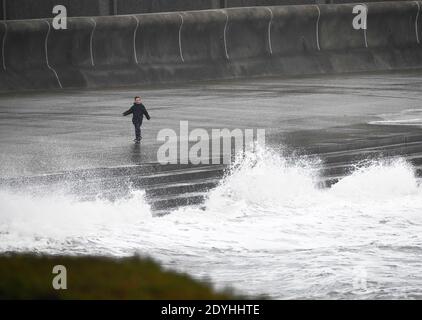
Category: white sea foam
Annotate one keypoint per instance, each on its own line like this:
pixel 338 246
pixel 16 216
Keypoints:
pixel 267 229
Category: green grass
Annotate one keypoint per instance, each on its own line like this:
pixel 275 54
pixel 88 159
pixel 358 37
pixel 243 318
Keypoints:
pixel 30 277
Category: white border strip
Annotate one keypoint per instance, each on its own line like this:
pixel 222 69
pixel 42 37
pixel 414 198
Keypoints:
pixel 46 54
pixel 317 28
pixel 180 38
pixel 91 41
pixel 225 34
pixel 417 23
pixel 134 39
pixel 3 46
pixel 269 30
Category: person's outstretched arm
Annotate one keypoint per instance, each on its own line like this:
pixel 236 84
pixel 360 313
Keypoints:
pixel 128 111
pixel 146 113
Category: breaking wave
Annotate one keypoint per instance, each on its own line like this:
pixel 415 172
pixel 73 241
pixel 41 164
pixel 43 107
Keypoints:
pixel 266 229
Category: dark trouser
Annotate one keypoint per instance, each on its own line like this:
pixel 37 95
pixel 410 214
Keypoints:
pixel 137 129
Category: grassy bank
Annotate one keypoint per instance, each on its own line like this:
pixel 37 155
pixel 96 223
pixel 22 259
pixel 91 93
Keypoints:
pixel 31 277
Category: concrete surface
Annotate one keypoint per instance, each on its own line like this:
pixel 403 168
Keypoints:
pixel 51 132
pixel 35 9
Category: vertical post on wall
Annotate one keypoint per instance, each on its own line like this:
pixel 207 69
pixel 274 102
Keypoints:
pixel 115 7
pixel 223 4
pixel 3 4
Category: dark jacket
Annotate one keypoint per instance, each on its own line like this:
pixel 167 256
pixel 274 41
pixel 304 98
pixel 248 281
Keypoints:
pixel 138 111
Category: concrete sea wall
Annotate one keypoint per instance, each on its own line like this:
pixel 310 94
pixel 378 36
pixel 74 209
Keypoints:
pixel 213 44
